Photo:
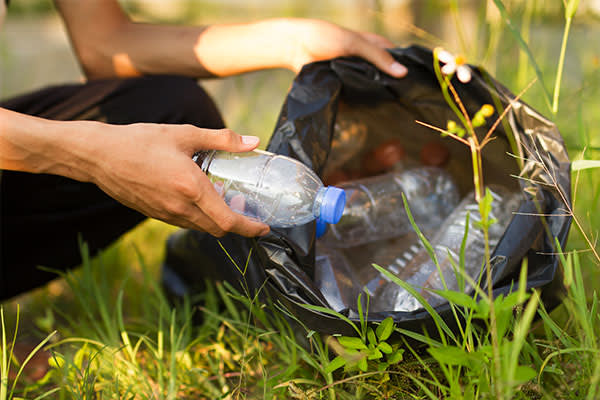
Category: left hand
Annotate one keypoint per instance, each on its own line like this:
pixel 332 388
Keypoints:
pixel 316 40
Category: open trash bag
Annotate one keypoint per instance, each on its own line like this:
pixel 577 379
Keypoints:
pixel 282 265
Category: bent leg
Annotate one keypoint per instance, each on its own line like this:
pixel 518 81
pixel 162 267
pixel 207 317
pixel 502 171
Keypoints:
pixel 42 215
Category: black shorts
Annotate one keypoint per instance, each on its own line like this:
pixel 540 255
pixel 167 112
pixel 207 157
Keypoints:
pixel 42 215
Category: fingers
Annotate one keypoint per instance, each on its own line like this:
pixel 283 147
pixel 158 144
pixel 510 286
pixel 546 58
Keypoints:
pixel 372 48
pixel 377 40
pixel 199 220
pixel 225 219
pixel 217 139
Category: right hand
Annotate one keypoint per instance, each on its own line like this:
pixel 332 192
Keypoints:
pixel 149 167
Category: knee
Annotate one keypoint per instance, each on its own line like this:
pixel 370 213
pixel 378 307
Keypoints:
pixel 177 100
pixel 191 103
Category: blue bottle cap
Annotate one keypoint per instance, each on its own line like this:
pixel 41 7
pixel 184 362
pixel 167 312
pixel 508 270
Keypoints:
pixel 332 205
pixel 321 228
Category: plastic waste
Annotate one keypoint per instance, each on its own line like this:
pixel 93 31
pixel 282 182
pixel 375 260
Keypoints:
pixel 277 190
pixel 341 274
pixel 422 273
pixel 375 210
pixel 334 278
pixel 391 254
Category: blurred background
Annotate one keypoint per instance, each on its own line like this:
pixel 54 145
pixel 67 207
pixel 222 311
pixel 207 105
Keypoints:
pixel 34 48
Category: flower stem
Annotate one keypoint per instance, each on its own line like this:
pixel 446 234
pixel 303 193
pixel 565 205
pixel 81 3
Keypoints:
pixel 477 171
pixel 493 323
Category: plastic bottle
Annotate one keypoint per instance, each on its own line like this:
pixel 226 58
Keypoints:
pixel 342 274
pixel 375 209
pixel 335 279
pixel 274 189
pixel 421 272
pixel 391 254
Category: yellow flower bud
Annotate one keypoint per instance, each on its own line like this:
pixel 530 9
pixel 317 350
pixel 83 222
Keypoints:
pixel 487 110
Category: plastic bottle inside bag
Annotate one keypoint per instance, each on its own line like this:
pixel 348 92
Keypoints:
pixel 422 273
pixel 334 278
pixel 391 254
pixel 274 189
pixel 342 274
pixel 375 210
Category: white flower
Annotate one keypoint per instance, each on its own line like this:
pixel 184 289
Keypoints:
pixel 454 64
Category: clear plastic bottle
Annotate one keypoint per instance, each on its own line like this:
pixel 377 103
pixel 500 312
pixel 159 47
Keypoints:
pixel 421 272
pixel 274 189
pixel 342 274
pixel 391 254
pixel 335 279
pixel 375 210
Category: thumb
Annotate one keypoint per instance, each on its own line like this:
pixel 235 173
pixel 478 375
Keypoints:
pixel 220 139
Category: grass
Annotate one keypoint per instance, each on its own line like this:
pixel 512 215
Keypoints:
pixel 118 337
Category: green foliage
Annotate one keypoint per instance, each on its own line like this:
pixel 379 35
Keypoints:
pixel 374 353
pixel 7 357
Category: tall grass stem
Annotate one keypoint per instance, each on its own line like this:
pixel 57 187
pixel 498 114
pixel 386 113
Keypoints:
pixel 561 62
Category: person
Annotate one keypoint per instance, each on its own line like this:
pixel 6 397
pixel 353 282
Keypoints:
pixel 94 159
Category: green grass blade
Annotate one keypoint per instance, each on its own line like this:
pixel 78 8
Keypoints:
pixel 173 362
pixel 520 335
pixel 334 314
pixel 48 393
pixel 439 322
pixel 579 165
pixel 3 364
pixel 29 357
pixel 517 35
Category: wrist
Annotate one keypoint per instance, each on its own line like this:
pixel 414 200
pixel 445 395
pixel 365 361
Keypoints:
pixel 75 149
pixel 36 145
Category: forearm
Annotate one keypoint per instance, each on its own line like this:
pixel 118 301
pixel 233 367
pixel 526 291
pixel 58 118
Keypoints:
pixel 36 145
pixel 127 48
pixel 219 50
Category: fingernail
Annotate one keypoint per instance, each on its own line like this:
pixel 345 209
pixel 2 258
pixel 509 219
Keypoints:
pixel 250 140
pixel 398 69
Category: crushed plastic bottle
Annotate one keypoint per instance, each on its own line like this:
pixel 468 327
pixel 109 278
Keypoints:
pixel 391 254
pixel 274 189
pixel 422 273
pixel 334 278
pixel 375 210
pixel 342 274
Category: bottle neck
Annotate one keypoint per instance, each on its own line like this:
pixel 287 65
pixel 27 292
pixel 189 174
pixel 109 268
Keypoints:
pixel 319 201
pixel 203 158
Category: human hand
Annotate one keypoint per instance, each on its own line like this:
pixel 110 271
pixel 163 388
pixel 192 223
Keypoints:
pixel 316 40
pixel 149 167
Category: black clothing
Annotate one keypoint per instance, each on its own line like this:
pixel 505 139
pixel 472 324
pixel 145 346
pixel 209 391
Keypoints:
pixel 42 215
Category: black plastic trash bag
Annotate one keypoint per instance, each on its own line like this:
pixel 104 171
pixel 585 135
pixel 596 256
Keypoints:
pixel 281 264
